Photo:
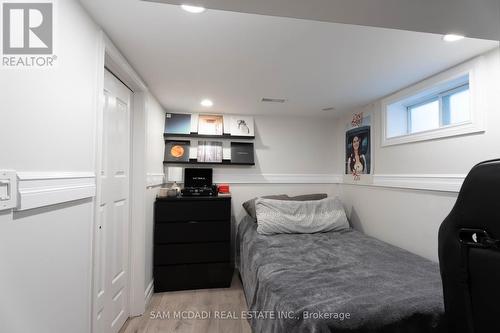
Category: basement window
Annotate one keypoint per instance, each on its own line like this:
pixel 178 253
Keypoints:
pixel 430 110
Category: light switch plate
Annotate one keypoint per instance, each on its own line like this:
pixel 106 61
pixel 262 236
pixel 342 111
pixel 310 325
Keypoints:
pixel 8 189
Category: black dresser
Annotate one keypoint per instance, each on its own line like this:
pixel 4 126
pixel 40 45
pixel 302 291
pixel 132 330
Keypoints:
pixel 192 243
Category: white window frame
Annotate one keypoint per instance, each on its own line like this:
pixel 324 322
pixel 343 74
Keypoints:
pixel 474 125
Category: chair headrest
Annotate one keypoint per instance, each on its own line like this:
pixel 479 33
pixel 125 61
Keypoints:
pixel 478 203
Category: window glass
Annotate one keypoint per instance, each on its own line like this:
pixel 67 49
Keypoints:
pixel 456 107
pixel 397 122
pixel 424 117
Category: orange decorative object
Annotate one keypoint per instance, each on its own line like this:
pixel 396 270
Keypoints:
pixel 177 151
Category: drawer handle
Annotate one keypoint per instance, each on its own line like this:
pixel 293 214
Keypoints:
pixel 192 221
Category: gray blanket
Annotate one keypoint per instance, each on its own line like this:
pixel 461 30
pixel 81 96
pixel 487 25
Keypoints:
pixel 336 282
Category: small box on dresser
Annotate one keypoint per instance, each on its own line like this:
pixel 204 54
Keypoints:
pixel 192 243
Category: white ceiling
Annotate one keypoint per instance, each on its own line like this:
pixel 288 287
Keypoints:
pixel 236 59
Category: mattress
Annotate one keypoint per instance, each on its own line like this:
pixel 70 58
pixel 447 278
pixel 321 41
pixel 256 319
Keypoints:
pixel 336 282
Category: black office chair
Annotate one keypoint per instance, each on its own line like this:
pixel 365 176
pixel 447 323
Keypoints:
pixel 469 253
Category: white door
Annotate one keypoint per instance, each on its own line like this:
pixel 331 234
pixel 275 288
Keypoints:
pixel 111 245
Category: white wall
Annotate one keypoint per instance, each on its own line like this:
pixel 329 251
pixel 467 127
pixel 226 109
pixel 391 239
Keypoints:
pixel 42 108
pixel 411 218
pixel 48 125
pixel 155 147
pixel 293 145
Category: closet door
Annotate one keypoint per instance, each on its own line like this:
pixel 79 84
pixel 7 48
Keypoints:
pixel 111 238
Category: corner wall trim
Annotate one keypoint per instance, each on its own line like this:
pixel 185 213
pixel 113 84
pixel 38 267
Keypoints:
pixel 39 189
pixel 432 182
pixel 148 293
pixel 277 178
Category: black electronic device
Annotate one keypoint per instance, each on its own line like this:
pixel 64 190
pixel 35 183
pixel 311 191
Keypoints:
pixel 198 182
pixel 198 177
pixel 207 191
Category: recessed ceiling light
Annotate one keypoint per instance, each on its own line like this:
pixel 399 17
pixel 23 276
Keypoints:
pixel 193 9
pixel 452 37
pixel 207 103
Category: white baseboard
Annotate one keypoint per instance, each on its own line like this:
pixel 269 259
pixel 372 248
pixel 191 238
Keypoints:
pixel 148 293
pixel 38 189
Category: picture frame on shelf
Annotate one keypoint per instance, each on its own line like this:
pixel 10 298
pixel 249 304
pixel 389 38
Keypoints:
pixel 242 126
pixel 210 152
pixel 177 123
pixel 242 153
pixel 210 124
pixel 177 150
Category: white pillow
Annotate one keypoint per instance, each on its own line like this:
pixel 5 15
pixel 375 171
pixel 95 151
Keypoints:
pixel 290 217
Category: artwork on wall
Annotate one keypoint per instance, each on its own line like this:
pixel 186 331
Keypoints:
pixel 210 151
pixel 242 126
pixel 242 152
pixel 216 134
pixel 177 123
pixel 358 150
pixel 210 124
pixel 177 151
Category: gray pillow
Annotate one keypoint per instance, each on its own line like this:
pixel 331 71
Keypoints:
pixel 249 205
pixel 300 217
pixel 309 197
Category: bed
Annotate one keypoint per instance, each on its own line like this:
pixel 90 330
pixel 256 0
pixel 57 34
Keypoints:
pixel 336 282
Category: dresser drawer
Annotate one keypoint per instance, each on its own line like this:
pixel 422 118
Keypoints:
pixel 196 276
pixel 203 210
pixel 190 253
pixel 191 232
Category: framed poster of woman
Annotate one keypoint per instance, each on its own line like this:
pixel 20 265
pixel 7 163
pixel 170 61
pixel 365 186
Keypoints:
pixel 358 156
pixel 358 151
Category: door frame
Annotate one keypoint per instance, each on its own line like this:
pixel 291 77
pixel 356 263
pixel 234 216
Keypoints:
pixel 110 57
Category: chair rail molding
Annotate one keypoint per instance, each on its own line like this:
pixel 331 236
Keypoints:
pixel 432 182
pixel 39 189
pixel 275 178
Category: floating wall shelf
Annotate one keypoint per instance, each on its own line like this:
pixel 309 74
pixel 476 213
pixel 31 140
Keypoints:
pixel 203 136
pixel 194 161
